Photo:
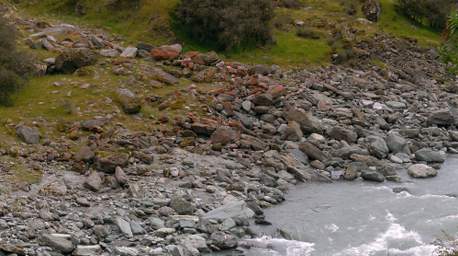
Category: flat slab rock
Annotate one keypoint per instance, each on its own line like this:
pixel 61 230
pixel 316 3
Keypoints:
pixel 235 209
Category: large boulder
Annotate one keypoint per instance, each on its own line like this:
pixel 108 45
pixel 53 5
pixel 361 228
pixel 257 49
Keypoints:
pixel 130 103
pixel 397 144
pixel 71 60
pixel 441 118
pixel 167 52
pixel 430 156
pixel 30 135
pixel 372 10
pixel 421 171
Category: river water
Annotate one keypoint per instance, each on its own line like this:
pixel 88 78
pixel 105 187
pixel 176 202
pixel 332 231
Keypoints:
pixel 364 219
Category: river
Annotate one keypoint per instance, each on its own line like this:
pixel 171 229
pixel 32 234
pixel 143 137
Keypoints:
pixel 364 219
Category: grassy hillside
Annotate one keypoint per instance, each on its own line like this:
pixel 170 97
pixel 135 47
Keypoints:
pixel 151 22
pixel 63 99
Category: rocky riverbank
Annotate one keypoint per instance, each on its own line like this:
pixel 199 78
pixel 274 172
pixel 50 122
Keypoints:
pixel 190 183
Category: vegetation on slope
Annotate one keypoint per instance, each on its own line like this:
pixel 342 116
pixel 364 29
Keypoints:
pixel 151 22
pixel 14 65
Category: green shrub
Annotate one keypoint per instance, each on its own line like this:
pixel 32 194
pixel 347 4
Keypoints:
pixel 308 33
pixel 283 21
pixel 226 24
pixel 453 23
pixel 290 4
pixel 433 13
pixel 14 66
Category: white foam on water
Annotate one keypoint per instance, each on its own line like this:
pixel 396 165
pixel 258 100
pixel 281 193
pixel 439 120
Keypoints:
pixel 279 247
pixel 332 227
pixel 394 233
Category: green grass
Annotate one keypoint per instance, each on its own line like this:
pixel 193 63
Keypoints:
pixel 289 50
pixel 148 23
pixel 152 23
pixel 399 26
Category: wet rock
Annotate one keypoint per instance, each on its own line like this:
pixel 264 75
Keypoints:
pixel 72 59
pixel 398 190
pixel 371 175
pixel 308 122
pixel 130 103
pixel 378 147
pixel 313 152
pixel 421 171
pixel 430 156
pixel 167 52
pixel 30 135
pixel 60 243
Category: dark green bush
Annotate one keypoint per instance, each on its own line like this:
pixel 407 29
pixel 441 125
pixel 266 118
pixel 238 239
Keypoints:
pixel 308 33
pixel 226 24
pixel 433 13
pixel 291 4
pixel 14 66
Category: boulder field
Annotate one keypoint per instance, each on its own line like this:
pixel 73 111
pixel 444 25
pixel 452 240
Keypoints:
pixel 193 188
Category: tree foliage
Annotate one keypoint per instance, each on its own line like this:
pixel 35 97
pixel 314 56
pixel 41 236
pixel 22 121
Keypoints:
pixel 433 13
pixel 226 24
pixel 14 66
